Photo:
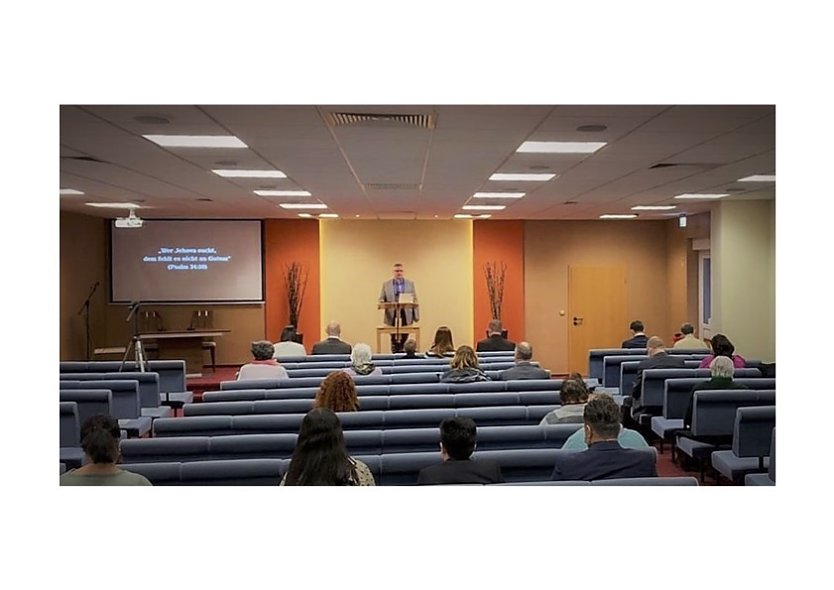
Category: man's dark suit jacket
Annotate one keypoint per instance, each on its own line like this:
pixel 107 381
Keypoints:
pixel 661 360
pixel 636 342
pixel 331 346
pixel 495 343
pixel 467 471
pixel 523 370
pixel 605 460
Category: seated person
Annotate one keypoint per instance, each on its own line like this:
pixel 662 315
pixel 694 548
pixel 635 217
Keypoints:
pixel 658 359
pixel 721 372
pixel 337 393
pixel 288 346
pixel 320 457
pixel 495 340
pixel 360 361
pixel 573 395
pixel 100 436
pixel 263 365
pixel 604 458
pixel 333 344
pixel 638 337
pixel 458 439
pixel 721 346
pixel 442 345
pixel 628 438
pixel 464 368
pixel 688 341
pixel 524 367
pixel 410 349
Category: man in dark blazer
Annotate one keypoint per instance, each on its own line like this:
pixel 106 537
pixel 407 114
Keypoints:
pixel 524 367
pixel 496 341
pixel 638 338
pixel 458 437
pixel 391 292
pixel 604 458
pixel 658 359
pixel 333 344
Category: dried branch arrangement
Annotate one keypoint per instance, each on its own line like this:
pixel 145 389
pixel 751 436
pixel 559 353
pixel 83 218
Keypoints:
pixel 295 278
pixel 494 272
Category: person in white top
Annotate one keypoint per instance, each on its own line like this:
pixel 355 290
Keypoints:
pixel 288 346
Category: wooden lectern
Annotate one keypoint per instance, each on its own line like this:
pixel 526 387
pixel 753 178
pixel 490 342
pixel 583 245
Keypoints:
pixel 396 329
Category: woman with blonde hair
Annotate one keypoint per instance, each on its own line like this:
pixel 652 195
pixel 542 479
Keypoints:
pixel 337 393
pixel 443 345
pixel 464 367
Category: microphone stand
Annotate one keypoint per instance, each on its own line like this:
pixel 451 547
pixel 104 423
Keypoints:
pixel 85 309
pixel 135 341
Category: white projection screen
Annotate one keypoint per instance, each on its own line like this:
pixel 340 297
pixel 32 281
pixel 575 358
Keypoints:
pixel 187 261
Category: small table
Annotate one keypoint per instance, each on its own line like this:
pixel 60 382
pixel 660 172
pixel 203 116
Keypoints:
pixel 410 330
pixel 186 345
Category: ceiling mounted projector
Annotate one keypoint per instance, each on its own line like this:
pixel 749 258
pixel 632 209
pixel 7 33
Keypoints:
pixel 129 222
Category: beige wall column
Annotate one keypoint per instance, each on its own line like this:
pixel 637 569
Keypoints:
pixel 743 250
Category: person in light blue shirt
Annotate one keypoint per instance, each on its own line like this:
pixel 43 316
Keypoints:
pixel 628 439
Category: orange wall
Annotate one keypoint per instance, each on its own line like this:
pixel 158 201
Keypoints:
pixel 497 241
pixel 287 241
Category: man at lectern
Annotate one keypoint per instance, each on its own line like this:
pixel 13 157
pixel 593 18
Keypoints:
pixel 399 290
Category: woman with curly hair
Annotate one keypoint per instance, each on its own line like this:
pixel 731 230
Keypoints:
pixel 337 393
pixel 320 457
pixel 442 345
pixel 464 367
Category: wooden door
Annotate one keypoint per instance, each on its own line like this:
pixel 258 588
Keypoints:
pixel 596 311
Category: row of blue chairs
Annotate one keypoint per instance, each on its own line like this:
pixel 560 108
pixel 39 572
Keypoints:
pixel 365 390
pixel 517 465
pixel 359 442
pixel 395 358
pixel 369 420
pixel 596 357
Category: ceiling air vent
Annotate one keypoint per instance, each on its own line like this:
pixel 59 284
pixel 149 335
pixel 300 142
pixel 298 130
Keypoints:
pixel 703 165
pixel 381 186
pixel 420 121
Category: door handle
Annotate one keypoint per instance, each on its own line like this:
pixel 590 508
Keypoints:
pixel 577 321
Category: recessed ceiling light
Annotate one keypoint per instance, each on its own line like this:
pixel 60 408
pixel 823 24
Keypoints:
pixel 592 128
pixel 462 216
pixel 560 147
pixel 197 141
pixel 250 173
pixel 653 207
pixel 759 178
pixel 283 193
pixel 303 206
pixel 701 196
pixel 115 205
pixel 305 214
pixel 329 215
pixel 70 191
pixel 617 216
pixel 357 215
pixel 531 177
pixel 484 216
pixel 483 207
pixel 498 195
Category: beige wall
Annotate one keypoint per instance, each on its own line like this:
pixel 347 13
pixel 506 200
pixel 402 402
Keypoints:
pixel 743 271
pixel 84 260
pixel 357 256
pixel 552 246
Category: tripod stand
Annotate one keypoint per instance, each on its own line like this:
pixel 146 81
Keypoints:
pixel 135 342
pixel 85 309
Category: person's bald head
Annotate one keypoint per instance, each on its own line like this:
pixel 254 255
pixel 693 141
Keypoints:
pixel 334 328
pixel 655 345
pixel 523 351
